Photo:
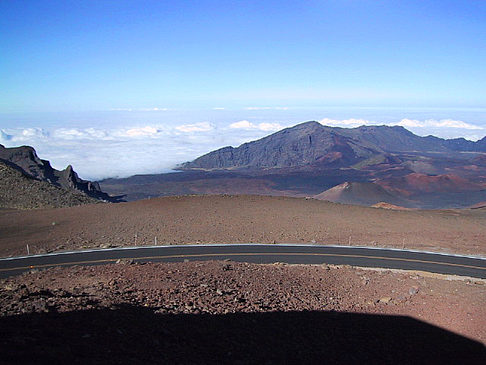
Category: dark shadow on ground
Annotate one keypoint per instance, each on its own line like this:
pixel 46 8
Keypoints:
pixel 138 335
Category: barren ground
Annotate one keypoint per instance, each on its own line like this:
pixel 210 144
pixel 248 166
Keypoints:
pixel 239 219
pixel 228 311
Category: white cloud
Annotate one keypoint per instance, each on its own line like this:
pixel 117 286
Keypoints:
pixel 142 132
pixel 346 122
pixel 24 134
pixel 444 123
pixel 407 123
pixel 196 127
pixel 242 124
pixel 267 108
pixel 267 127
pixel 218 108
pixel 154 109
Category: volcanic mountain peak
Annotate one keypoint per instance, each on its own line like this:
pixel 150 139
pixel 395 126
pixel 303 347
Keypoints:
pixel 305 144
pixel 312 144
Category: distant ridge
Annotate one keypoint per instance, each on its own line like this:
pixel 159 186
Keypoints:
pixel 313 144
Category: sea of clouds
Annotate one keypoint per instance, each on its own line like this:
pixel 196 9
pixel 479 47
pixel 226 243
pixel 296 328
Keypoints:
pixel 107 150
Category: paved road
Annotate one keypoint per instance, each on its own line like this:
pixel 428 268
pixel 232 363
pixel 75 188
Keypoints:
pixel 259 253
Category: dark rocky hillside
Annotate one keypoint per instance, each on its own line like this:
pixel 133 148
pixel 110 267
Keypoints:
pixel 20 191
pixel 25 160
pixel 318 146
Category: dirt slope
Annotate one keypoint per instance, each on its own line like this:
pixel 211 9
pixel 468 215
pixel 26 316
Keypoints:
pixel 239 219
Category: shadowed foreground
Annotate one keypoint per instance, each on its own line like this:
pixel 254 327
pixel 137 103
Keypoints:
pixel 131 334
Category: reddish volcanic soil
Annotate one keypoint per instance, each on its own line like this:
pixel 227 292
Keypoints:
pixel 420 183
pixel 206 312
pixel 239 219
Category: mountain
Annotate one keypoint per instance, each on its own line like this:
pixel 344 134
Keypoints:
pixel 20 191
pixel 312 144
pixel 360 194
pixel 377 163
pixel 305 144
pixel 25 160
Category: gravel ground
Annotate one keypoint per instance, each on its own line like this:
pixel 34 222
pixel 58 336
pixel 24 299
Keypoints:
pixel 239 219
pixel 222 311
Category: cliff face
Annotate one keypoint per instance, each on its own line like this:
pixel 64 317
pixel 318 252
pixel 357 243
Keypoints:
pixel 312 144
pixel 25 160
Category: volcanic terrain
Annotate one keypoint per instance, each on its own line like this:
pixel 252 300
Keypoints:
pixel 228 312
pixel 239 219
pixel 309 159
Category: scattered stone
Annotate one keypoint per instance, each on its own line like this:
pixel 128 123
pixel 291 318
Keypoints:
pixel 385 300
pixel 413 290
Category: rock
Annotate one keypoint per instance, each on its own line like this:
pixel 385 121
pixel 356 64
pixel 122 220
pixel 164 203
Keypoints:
pixel 219 292
pixel 413 290
pixel 385 300
pixel 125 261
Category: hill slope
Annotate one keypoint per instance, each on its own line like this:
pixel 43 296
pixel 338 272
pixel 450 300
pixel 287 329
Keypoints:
pixel 366 193
pixel 20 191
pixel 25 159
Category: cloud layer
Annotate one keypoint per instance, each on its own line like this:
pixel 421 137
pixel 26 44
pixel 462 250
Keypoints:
pixel 267 127
pixel 407 123
pixel 100 152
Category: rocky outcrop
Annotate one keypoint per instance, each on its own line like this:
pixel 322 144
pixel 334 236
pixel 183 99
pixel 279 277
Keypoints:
pixel 20 191
pixel 25 160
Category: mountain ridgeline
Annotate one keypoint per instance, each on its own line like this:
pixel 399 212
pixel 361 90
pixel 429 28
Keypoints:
pixel 368 165
pixel 23 171
pixel 315 145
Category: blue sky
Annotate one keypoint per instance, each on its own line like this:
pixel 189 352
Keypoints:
pixel 68 67
pixel 96 55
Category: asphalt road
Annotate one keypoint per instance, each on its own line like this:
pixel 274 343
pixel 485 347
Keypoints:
pixel 259 253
